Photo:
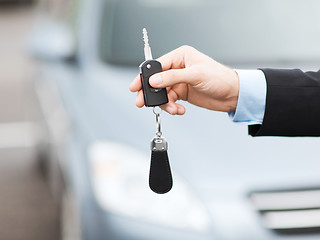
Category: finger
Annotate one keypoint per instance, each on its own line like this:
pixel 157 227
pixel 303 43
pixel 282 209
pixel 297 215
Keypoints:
pixel 176 58
pixel 174 76
pixel 174 108
pixel 181 109
pixel 135 84
pixel 172 96
pixel 140 100
pixel 170 107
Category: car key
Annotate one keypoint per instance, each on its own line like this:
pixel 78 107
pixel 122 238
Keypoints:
pixel 152 96
pixel 160 177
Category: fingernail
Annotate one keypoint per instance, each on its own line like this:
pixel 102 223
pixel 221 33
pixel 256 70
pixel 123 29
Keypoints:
pixel 155 80
pixel 170 110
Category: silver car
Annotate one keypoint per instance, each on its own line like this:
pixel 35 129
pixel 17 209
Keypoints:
pixel 95 148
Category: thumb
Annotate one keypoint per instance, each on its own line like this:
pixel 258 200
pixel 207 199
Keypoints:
pixel 171 77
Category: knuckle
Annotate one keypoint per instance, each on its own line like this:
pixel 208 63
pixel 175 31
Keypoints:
pixel 187 48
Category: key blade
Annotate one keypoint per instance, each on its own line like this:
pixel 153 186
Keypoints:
pixel 147 49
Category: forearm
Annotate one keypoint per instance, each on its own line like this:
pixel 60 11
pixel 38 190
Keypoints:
pixel 292 104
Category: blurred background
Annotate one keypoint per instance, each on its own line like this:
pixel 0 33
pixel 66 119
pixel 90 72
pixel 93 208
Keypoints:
pixel 27 209
pixel 74 149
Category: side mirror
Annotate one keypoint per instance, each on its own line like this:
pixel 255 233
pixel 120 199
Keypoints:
pixel 51 41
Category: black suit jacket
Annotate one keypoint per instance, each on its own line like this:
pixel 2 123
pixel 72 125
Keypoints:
pixel 292 104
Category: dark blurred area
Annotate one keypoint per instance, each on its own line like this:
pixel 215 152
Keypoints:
pixel 15 3
pixel 27 209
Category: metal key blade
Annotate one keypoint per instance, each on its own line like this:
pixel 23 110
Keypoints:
pixel 147 49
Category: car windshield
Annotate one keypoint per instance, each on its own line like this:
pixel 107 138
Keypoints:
pixel 230 31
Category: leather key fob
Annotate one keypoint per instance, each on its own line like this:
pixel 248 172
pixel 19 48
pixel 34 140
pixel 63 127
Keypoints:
pixel 160 177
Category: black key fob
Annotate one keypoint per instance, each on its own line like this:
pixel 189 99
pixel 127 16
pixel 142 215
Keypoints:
pixel 152 96
pixel 160 177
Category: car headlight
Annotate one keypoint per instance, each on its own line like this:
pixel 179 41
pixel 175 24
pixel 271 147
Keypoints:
pixel 120 183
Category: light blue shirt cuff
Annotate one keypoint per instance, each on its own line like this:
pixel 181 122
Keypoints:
pixel 252 97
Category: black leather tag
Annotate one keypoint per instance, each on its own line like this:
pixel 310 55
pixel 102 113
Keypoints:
pixel 160 177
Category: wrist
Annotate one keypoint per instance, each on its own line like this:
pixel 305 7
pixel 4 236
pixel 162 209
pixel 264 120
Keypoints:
pixel 232 101
pixel 252 96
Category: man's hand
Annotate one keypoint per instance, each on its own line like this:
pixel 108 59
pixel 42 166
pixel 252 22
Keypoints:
pixel 191 76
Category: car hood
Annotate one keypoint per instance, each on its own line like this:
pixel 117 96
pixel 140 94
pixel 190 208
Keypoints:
pixel 205 147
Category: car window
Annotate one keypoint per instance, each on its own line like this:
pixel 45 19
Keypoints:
pixel 227 30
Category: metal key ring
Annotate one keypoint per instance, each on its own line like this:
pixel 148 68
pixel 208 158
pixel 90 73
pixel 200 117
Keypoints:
pixel 158 121
pixel 155 112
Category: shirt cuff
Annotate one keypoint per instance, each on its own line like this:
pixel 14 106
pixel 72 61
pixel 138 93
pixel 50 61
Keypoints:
pixel 252 97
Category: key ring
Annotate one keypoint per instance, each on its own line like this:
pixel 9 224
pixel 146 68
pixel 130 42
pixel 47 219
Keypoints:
pixel 158 122
pixel 155 112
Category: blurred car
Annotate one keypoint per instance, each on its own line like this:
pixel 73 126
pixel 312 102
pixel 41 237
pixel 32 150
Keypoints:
pixel 95 147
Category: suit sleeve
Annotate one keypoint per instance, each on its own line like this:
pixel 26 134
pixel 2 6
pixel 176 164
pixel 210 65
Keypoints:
pixel 292 104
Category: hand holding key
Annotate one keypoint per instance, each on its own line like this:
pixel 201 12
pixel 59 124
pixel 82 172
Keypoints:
pixel 191 76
